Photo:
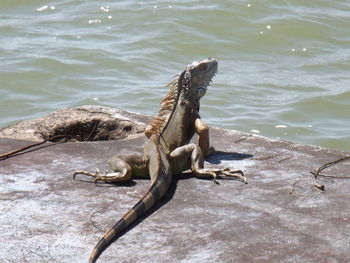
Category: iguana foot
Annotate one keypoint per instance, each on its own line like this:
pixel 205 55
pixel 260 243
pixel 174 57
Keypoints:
pixel 235 173
pixel 106 177
pixel 220 174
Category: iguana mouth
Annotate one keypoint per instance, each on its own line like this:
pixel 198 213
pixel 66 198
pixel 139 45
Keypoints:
pixel 212 69
pixel 209 81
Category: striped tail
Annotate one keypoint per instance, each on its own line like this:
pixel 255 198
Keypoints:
pixel 161 172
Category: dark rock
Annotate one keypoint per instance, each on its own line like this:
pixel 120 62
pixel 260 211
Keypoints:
pixel 86 123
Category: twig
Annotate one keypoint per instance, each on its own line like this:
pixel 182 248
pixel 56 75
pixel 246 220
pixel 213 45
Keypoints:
pixel 330 164
pixel 93 129
pixel 285 159
pixel 318 186
pixel 317 172
pixel 242 139
pixel 264 158
pixel 9 154
pixel 93 223
pixel 4 156
pixel 291 191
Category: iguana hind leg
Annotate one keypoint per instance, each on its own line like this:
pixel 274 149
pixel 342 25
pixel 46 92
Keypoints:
pixel 192 154
pixel 123 168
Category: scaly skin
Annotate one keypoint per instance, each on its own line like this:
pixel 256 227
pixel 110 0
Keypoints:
pixel 168 150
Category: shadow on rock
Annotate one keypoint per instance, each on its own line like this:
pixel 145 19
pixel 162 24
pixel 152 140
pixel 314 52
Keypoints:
pixel 219 156
pixel 166 198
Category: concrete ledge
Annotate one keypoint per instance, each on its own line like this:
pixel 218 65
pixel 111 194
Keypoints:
pixel 46 216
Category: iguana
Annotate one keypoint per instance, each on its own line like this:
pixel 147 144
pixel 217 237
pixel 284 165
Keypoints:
pixel 168 150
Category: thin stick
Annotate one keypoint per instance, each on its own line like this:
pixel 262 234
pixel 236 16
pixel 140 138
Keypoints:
pixel 330 164
pixel 11 153
pixel 93 223
pixel 317 172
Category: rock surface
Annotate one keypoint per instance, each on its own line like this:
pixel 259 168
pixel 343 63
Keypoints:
pixel 46 216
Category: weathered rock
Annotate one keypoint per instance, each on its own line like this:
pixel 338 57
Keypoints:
pixel 86 123
pixel 46 216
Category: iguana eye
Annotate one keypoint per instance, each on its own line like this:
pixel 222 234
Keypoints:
pixel 203 67
pixel 201 92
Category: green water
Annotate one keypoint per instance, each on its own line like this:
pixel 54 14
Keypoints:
pixel 283 65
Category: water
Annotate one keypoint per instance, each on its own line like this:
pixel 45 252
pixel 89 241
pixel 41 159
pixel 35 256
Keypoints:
pixel 283 65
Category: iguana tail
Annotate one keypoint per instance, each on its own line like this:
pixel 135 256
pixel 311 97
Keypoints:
pixel 160 173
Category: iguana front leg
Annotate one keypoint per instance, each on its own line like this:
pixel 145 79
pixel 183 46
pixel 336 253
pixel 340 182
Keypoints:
pixel 204 148
pixel 202 130
pixel 124 168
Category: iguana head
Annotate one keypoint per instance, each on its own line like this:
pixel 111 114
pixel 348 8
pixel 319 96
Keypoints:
pixel 197 76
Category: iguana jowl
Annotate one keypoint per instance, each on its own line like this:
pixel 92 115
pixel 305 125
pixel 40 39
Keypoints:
pixel 168 150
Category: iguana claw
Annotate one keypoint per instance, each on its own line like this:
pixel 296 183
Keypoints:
pixel 96 174
pixel 234 173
